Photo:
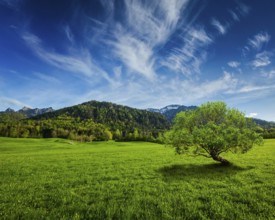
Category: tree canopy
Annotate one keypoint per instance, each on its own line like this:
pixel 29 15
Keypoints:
pixel 212 129
pixel 86 122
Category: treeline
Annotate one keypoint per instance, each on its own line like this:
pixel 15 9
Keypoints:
pixel 269 133
pixel 61 127
pixel 72 128
pixel 91 121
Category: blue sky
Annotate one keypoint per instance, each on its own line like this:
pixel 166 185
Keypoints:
pixel 147 53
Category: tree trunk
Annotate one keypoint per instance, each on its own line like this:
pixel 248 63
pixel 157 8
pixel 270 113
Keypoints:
pixel 220 159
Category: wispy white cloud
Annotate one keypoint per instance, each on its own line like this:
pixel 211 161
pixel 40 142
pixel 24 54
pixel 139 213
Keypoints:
pixel 262 59
pixel 78 62
pixel 203 90
pixel 69 33
pixel 46 77
pixel 117 71
pixel 227 87
pixel 234 64
pixel 223 84
pixel 108 6
pixel 200 36
pixel 221 28
pixel 188 58
pixel 144 94
pixel 234 15
pixel 145 26
pixel 153 21
pixel 206 89
pixel 251 90
pixel 248 88
pixel 256 44
pixel 252 115
pixel 269 74
pixel 135 54
pixel 259 40
pixel 242 8
pixel 239 11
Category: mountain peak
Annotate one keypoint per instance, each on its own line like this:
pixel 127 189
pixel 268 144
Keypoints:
pixel 25 109
pixel 9 110
pixel 29 112
pixel 169 107
pixel 170 111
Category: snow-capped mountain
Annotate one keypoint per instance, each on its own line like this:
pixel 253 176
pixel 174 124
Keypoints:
pixel 29 112
pixel 170 111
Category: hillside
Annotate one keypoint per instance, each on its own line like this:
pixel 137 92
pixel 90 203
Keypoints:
pixel 112 115
pixel 89 121
pixel 263 123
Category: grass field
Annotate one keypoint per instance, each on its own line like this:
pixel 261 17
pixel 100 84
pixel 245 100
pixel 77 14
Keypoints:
pixel 59 179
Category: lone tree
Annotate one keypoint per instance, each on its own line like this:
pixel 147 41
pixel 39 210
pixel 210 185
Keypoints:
pixel 212 129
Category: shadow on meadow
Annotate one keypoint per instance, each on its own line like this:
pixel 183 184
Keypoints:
pixel 203 171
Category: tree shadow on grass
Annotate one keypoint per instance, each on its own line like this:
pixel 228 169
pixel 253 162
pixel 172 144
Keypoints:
pixel 204 171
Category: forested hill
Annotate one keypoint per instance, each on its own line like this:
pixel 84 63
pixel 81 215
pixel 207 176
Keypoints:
pixel 263 123
pixel 88 121
pixel 112 115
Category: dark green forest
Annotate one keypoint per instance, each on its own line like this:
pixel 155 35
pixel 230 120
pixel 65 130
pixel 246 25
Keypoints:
pixel 96 121
pixel 87 122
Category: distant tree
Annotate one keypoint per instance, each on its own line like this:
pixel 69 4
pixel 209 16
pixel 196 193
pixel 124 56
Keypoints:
pixel 107 135
pixel 212 129
pixel 25 133
pixel 135 134
pixel 117 134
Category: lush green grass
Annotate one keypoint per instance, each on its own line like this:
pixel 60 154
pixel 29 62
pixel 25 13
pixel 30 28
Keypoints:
pixel 59 179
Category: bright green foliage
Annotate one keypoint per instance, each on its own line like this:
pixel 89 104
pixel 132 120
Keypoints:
pixel 63 127
pixel 213 129
pixel 11 116
pixel 62 179
pixel 269 133
pixel 88 121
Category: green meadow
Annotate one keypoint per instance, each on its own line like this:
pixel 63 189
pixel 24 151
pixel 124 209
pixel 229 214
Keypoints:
pixel 61 179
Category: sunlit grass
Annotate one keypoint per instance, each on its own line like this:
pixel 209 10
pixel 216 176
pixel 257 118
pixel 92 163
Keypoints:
pixel 55 179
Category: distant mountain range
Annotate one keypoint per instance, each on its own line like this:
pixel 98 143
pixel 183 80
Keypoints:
pixel 30 112
pixel 169 112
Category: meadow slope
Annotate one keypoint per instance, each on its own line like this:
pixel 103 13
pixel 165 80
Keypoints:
pixel 61 179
